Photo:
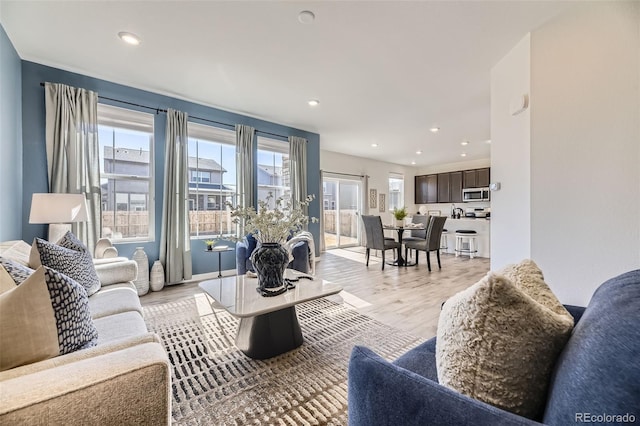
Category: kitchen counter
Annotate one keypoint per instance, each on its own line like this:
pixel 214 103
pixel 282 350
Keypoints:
pixel 481 225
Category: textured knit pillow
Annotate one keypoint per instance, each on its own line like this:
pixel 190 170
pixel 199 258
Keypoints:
pixel 70 258
pixel 28 330
pixel 528 277
pixel 498 344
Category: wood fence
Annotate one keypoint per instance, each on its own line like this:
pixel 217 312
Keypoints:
pixel 348 222
pixel 136 224
pixel 127 224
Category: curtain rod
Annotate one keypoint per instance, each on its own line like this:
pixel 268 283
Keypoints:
pixel 159 110
pixel 343 174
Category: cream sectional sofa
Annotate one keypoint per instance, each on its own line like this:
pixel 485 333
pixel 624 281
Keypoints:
pixel 125 379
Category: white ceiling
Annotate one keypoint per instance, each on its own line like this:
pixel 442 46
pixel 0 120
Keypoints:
pixel 384 72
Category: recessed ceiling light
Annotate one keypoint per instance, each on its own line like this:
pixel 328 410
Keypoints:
pixel 129 38
pixel 464 143
pixel 375 145
pixel 413 163
pixel 434 129
pixel 464 154
pixel 314 102
pixel 306 17
pixel 418 152
pixel 488 141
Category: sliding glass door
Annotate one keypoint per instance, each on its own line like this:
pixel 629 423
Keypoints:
pixel 341 205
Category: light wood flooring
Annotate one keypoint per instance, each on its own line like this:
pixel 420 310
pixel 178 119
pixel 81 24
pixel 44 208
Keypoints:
pixel 407 298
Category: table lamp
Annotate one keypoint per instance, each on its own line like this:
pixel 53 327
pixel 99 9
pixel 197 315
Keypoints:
pixel 59 211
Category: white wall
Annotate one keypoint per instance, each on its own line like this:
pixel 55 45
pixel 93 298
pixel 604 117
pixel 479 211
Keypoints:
pixel 585 147
pixel 510 159
pixel 452 167
pixel 378 173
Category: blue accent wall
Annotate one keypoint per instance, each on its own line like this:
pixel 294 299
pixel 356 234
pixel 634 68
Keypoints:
pixel 35 165
pixel 10 140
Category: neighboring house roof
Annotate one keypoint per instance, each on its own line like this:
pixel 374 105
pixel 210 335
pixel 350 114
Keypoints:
pixel 205 164
pixel 141 156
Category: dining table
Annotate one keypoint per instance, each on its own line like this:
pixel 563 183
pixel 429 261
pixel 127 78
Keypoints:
pixel 401 261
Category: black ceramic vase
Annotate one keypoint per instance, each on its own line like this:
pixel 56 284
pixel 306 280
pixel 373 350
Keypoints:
pixel 270 260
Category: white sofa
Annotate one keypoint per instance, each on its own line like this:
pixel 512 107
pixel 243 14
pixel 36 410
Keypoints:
pixel 125 379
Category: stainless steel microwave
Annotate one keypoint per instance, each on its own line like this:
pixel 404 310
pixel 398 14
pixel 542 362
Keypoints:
pixel 475 194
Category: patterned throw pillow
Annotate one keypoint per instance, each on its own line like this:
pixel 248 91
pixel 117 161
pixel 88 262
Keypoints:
pixel 72 242
pixel 18 272
pixel 70 306
pixel 71 258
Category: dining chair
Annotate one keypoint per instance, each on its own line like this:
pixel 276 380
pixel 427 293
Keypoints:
pixel 418 234
pixel 375 237
pixel 431 242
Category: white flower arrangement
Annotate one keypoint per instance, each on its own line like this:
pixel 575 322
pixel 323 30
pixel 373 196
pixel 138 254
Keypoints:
pixel 273 225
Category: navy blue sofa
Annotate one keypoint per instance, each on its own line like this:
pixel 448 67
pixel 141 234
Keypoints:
pixel 597 375
pixel 245 247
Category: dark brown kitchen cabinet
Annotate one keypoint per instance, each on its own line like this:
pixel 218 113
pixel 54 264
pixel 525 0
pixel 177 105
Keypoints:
pixel 483 178
pixel 420 189
pixel 426 189
pixel 476 178
pixel 455 192
pixel 444 187
pixel 432 188
pixel 450 187
pixel 447 187
pixel 469 179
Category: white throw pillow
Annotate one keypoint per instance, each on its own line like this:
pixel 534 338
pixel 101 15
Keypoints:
pixel 498 340
pixel 28 330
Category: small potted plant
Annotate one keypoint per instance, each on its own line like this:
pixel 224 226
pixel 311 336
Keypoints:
pixel 210 244
pixel 400 214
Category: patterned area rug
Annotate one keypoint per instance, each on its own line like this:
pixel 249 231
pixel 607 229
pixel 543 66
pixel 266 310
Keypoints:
pixel 216 384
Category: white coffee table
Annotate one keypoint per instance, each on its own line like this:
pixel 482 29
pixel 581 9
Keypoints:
pixel 268 325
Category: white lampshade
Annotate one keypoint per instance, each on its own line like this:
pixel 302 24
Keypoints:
pixel 58 208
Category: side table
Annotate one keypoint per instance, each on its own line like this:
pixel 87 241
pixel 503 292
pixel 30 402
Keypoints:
pixel 219 250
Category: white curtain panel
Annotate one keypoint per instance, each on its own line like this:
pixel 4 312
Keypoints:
pixel 298 169
pixel 321 243
pixel 245 174
pixel 73 163
pixel 175 243
pixel 365 206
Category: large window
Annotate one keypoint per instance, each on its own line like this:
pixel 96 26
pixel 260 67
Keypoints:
pixel 273 169
pixel 126 173
pixel 212 180
pixel 396 191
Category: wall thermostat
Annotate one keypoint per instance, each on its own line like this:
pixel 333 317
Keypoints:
pixel 494 186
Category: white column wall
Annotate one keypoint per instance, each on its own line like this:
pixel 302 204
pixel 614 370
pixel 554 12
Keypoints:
pixel 585 147
pixel 510 159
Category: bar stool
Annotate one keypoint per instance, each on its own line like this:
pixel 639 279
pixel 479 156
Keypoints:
pixel 444 243
pixel 470 237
